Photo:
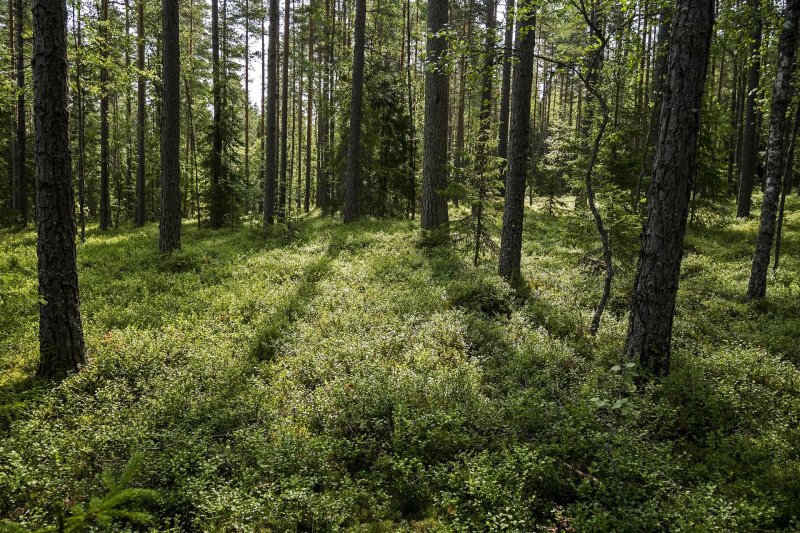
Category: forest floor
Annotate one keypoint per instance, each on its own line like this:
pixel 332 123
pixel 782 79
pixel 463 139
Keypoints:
pixel 337 377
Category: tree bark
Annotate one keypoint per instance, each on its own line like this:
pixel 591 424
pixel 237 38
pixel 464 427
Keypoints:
pixel 21 168
pixel 105 196
pixel 518 150
pixel 271 167
pixel 309 111
pixel 61 346
pixel 170 227
pixel 352 178
pixel 653 303
pixel 140 111
pixel 782 90
pixel 749 153
pixel 284 116
pixel 505 87
pixel 434 171
pixel 788 177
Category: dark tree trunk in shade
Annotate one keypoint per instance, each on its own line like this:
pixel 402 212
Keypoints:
pixel 505 86
pixel 309 113
pixel 749 153
pixel 434 171
pixel 170 227
pixel 12 135
pixel 271 166
pixel 216 206
pixel 21 168
pixel 659 78
pixel 656 285
pixel 105 192
pixel 140 112
pixel 519 142
pixel 782 90
pixel 61 346
pixel 284 116
pixel 788 177
pixel 352 178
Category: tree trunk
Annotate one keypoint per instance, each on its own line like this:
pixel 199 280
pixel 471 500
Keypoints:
pixel 105 196
pixel 271 167
pixel 788 177
pixel 352 178
pixel 170 227
pixel 749 153
pixel 782 90
pixel 284 115
pixel 505 87
pixel 653 303
pixel 140 111
pixel 434 172
pixel 309 112
pixel 520 123
pixel 216 204
pixel 79 97
pixel 61 346
pixel 21 168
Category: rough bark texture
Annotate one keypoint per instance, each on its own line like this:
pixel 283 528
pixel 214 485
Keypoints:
pixel 749 153
pixel 170 227
pixel 656 285
pixel 505 87
pixel 788 178
pixel 284 115
pixel 518 150
pixel 271 167
pixel 61 345
pixel 434 171
pixel 309 113
pixel 20 168
pixel 105 193
pixel 140 111
pixel 216 206
pixel 351 182
pixel 781 97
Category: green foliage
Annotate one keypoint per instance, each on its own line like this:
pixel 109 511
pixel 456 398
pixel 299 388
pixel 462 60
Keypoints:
pixel 343 377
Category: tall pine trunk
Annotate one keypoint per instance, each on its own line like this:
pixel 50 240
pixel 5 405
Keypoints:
pixel 61 346
pixel 105 193
pixel 505 85
pixel 434 172
pixel 170 227
pixel 519 142
pixel 352 178
pixel 140 118
pixel 749 153
pixel 653 303
pixel 271 133
pixel 21 168
pixel 309 111
pixel 216 202
pixel 284 116
pixel 782 90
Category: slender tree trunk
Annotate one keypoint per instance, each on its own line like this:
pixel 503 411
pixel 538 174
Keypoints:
pixel 309 111
pixel 782 91
pixel 749 153
pixel 352 178
pixel 412 178
pixel 247 107
pixel 653 303
pixel 170 227
pixel 284 115
pixel 79 97
pixel 105 196
pixel 13 194
pixel 61 346
pixel 659 78
pixel 788 177
pixel 21 168
pixel 128 113
pixel 511 240
pixel 505 88
pixel 271 176
pixel 434 173
pixel 140 164
pixel 216 203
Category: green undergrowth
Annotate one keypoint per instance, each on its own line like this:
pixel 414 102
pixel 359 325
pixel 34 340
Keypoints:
pixel 356 378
